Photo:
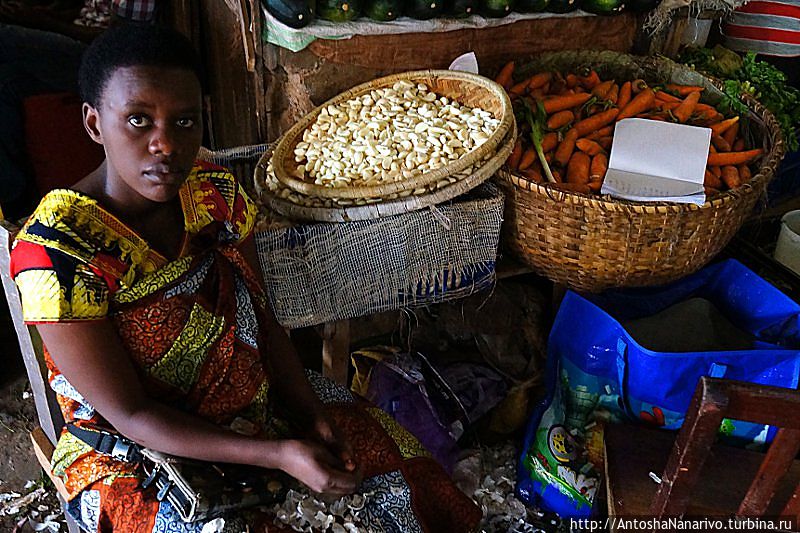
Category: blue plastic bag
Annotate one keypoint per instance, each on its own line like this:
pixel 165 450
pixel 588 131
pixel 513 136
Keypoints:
pixel 597 370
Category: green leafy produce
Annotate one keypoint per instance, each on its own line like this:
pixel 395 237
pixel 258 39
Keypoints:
pixel 748 75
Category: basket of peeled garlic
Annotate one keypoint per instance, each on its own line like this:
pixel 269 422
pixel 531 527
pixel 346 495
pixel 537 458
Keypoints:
pixel 390 146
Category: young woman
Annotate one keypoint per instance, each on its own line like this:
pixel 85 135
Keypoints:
pixel 144 284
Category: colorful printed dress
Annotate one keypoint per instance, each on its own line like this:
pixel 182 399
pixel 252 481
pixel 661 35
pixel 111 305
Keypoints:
pixel 192 327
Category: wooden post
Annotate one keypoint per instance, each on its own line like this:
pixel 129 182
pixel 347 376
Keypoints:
pixel 336 350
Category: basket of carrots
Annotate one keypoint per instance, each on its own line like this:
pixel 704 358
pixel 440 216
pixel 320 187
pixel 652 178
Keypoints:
pixel 557 221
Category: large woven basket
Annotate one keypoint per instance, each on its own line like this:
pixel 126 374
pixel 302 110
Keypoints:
pixel 466 88
pixel 591 243
pixel 384 208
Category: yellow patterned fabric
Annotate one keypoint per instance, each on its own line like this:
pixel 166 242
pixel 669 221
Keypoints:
pixel 181 364
pixel 407 443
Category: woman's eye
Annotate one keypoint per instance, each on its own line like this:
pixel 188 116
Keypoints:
pixel 185 122
pixel 138 121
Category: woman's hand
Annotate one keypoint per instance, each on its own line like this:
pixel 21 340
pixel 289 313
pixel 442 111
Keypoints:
pixel 326 432
pixel 316 467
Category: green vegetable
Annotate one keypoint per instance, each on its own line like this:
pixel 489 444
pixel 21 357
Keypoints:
pixel 537 134
pixel 748 75
pixel 338 10
pixel 603 7
pixel 496 8
pixel 530 6
pixel 383 10
pixel 424 9
pixel 562 6
pixel 461 8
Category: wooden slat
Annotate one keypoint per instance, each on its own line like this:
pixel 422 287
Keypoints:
pixel 779 458
pixel 792 508
pixel 50 418
pixel 775 406
pixel 43 449
pixel 694 441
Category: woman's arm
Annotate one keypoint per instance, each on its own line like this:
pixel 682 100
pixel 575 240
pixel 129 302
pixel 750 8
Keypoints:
pixel 92 358
pixel 289 380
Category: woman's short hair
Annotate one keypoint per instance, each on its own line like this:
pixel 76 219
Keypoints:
pixel 132 46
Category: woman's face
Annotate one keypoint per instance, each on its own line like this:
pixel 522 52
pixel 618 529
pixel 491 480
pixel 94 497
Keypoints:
pixel 150 123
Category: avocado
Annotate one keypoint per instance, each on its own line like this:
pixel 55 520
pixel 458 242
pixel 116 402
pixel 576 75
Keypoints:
pixel 461 8
pixel 383 10
pixel 496 8
pixel 562 6
pixel 603 7
pixel 338 10
pixel 424 9
pixel 293 13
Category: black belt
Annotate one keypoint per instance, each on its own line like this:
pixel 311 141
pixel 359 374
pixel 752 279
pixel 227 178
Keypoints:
pixel 108 443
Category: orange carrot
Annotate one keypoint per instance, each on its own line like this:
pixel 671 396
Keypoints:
pixel 572 187
pixel 624 95
pixel 595 122
pixel 731 133
pixel 605 142
pixel 744 173
pixel 738 145
pixel 560 119
pixel 601 89
pixel 666 106
pixel 571 80
pixel 720 144
pixel 720 127
pixel 557 176
pixel 712 180
pixel 711 191
pixel 666 97
pixel 638 86
pixel 683 90
pixel 516 155
pixel 504 76
pixel 590 80
pixel 588 146
pixel 602 132
pixel 599 167
pixel 528 157
pixel 518 89
pixel 595 184
pixel 712 149
pixel 734 158
pixel 549 142
pixel 533 174
pixel 716 170
pixel 685 110
pixel 539 80
pixel 578 168
pixel 644 101
pixel 730 176
pixel 565 149
pixel 560 103
pixel 613 94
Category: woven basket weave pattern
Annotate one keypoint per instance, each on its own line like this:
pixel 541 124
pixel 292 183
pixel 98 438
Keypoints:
pixel 468 89
pixel 592 243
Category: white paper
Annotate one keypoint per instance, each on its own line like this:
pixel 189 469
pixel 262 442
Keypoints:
pixel 657 162
pixel 465 63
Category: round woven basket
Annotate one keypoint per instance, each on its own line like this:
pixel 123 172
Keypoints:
pixel 465 88
pixel 398 206
pixel 590 243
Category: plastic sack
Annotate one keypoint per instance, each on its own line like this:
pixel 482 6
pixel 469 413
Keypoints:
pixel 597 371
pixel 436 405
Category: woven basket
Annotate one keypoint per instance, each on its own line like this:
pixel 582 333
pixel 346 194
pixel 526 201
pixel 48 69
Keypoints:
pixel 384 208
pixel 467 89
pixel 591 243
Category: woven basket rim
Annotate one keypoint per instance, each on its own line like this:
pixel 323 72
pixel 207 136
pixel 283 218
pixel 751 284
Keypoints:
pixel 285 147
pixel 385 208
pixel 769 163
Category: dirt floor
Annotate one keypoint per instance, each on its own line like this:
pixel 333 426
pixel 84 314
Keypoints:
pixel 27 498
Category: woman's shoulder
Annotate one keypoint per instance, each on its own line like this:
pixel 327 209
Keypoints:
pixel 54 224
pixel 214 195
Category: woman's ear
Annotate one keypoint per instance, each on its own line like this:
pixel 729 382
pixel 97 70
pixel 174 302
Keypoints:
pixel 91 122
